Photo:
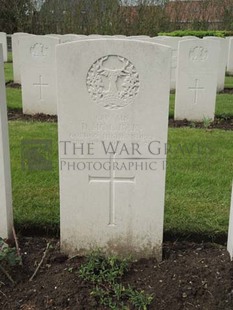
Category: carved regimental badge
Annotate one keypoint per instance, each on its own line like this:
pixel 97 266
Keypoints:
pixel 198 53
pixel 39 50
pixel 113 82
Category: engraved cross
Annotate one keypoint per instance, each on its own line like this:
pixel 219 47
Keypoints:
pixel 40 84
pixel 111 180
pixel 196 88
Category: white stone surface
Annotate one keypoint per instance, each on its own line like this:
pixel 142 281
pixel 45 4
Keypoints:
pixel 230 229
pixel 38 71
pixel 228 45
pixel 112 90
pixel 70 38
pixel 188 37
pixel 15 39
pixel 196 79
pixel 230 57
pixel 3 41
pixel 6 213
pixel 172 42
pixel 221 61
pixel 139 37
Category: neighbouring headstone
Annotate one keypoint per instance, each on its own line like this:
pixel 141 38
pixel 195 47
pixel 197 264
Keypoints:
pixel 172 42
pixel 222 59
pixel 70 38
pixel 113 99
pixel 188 38
pixel 3 41
pixel 6 213
pixel 15 39
pixel 139 37
pixel 230 57
pixel 38 70
pixel 196 79
pixel 230 229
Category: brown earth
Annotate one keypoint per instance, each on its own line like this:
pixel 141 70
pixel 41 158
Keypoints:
pixel 191 276
pixel 228 90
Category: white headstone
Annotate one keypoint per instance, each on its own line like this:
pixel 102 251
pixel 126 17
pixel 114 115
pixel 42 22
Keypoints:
pixel 139 37
pixel 196 79
pixel 38 70
pixel 15 39
pixel 188 38
pixel 221 61
pixel 172 42
pixel 230 57
pixel 6 213
pixel 3 41
pixel 112 92
pixel 121 36
pixel 230 229
pixel 228 45
pixel 70 38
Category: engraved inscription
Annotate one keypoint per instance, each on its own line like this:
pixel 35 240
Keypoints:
pixel 39 50
pixel 198 53
pixel 196 89
pixel 40 85
pixel 113 82
pixel 111 180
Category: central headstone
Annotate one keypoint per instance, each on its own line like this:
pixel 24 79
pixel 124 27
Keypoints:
pixel 113 98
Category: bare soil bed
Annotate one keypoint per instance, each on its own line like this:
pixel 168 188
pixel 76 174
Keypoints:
pixel 191 276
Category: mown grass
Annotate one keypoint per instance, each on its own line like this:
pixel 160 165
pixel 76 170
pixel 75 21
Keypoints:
pixel 35 193
pixel 198 185
pixel 229 81
pixel 197 189
pixel 8 71
pixel 14 98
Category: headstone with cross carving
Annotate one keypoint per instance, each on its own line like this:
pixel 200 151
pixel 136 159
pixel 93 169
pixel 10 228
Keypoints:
pixel 196 85
pixel 230 229
pixel 222 60
pixel 38 70
pixel 6 214
pixel 112 133
pixel 3 41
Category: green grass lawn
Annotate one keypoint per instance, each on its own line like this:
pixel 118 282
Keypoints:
pixel 197 189
pixel 229 82
pixel 8 71
pixel 14 98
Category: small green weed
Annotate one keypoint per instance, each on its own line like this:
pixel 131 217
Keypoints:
pixel 8 258
pixel 105 273
pixel 206 122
